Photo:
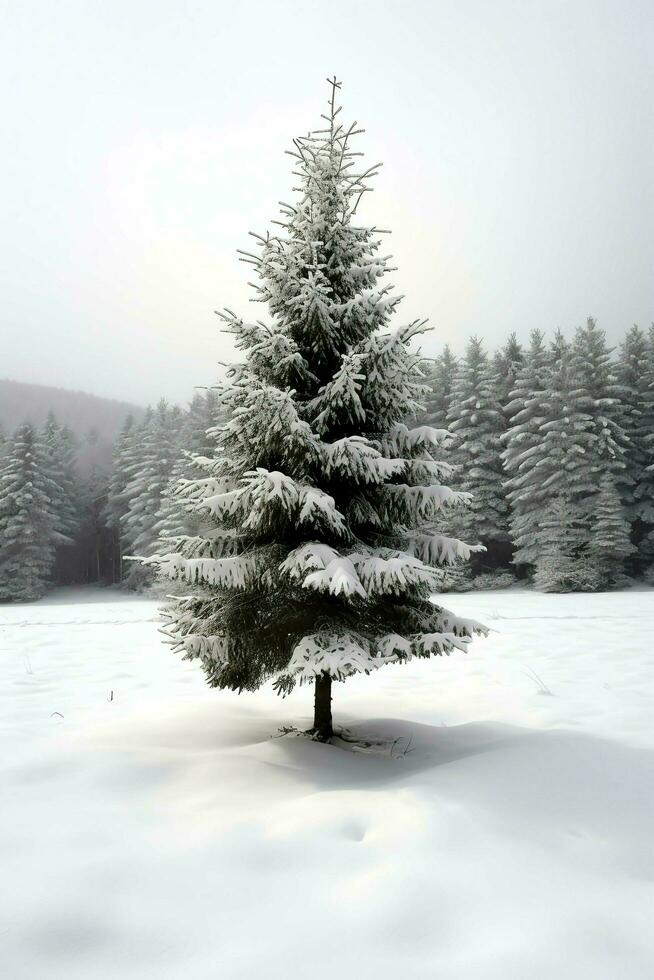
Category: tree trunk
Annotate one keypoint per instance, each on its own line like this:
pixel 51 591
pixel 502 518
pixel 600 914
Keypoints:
pixel 322 712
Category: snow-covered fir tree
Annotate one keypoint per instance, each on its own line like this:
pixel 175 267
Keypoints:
pixel 507 362
pixel 318 564
pixel 175 516
pixel 158 449
pixel 126 462
pixel 560 557
pixel 526 411
pixel 58 464
pixel 596 394
pixel 609 543
pixel 198 420
pixel 631 375
pixel 440 379
pixel 558 468
pixel 477 422
pixel 580 442
pixel 635 372
pixel 27 532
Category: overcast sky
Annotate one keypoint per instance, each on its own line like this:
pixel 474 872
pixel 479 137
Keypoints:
pixel 145 139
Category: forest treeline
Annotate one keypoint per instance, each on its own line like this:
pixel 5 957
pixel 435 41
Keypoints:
pixel 62 525
pixel 554 440
pixel 555 443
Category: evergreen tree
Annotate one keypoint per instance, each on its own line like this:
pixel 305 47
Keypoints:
pixel 58 462
pixel 317 565
pixel 126 461
pixel 609 543
pixel 631 374
pixel 526 411
pixel 560 564
pixel 559 470
pixel 595 393
pixel 157 452
pixel 27 531
pixel 580 443
pixel 197 436
pixel 642 436
pixel 175 518
pixel 477 423
pixel 507 362
pixel 440 379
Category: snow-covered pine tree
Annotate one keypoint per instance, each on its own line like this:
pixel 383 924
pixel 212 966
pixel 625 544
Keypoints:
pixel 175 517
pixel 58 464
pixel 440 379
pixel 126 460
pixel 27 532
pixel 580 443
pixel 317 565
pixel 526 411
pixel 639 375
pixel 560 537
pixel 631 371
pixel 177 421
pixel 158 451
pixel 560 564
pixel 198 436
pixel 507 363
pixel 609 543
pixel 194 438
pixel 596 394
pixel 477 423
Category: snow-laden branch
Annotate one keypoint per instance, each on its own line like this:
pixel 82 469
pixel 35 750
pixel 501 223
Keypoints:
pixel 400 439
pixel 355 458
pixel 439 549
pixel 265 497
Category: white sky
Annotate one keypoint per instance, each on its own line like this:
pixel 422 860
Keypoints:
pixel 145 139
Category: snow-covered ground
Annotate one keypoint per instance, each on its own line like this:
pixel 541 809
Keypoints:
pixel 153 828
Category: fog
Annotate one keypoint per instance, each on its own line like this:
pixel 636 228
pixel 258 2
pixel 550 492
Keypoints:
pixel 145 139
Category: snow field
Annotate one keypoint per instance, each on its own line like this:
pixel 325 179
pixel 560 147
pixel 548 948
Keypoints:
pixel 499 827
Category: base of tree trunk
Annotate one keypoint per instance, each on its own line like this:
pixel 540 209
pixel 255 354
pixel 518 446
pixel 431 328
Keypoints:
pixel 322 729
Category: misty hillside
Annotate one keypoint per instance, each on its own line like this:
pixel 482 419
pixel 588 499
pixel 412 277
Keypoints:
pixel 95 421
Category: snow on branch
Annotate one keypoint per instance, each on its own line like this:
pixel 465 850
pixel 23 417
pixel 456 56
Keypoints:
pixel 422 502
pixel 356 574
pixel 400 439
pixel 460 625
pixel 438 549
pixel 339 577
pixel 265 424
pixel 393 576
pixel 339 399
pixel 212 650
pixel 338 654
pixel 264 498
pixel 236 572
pixel 429 644
pixel 355 458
